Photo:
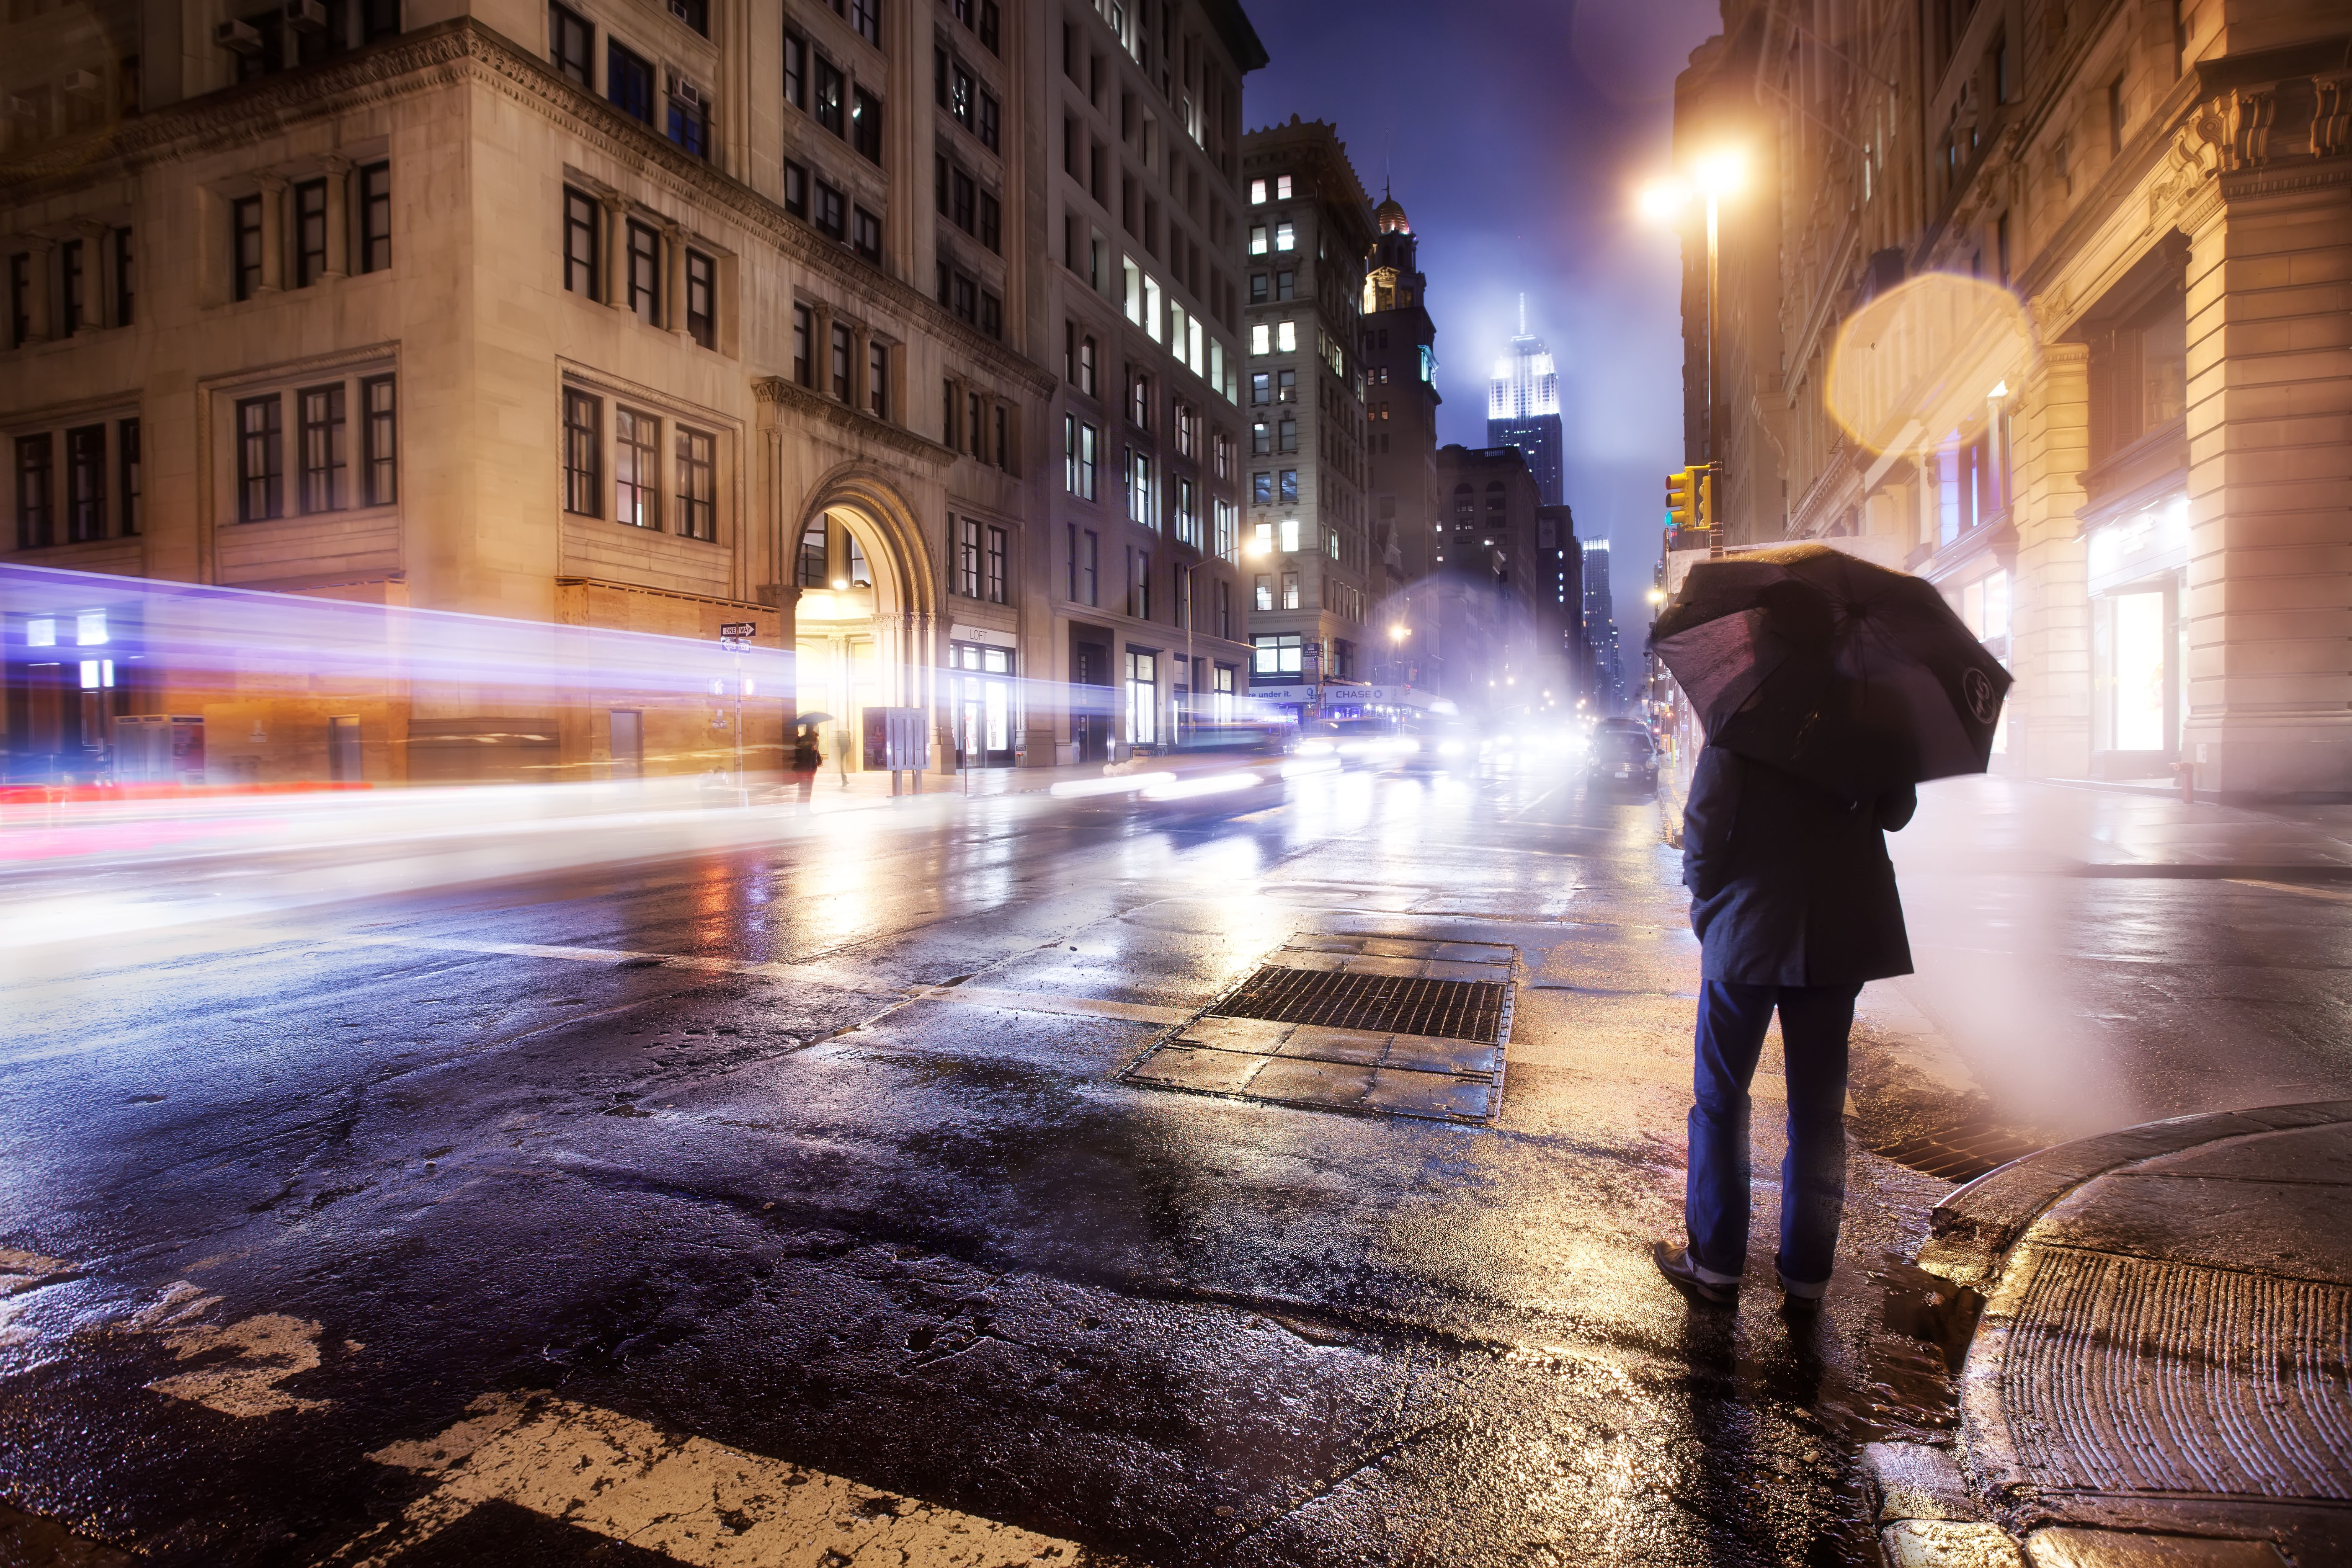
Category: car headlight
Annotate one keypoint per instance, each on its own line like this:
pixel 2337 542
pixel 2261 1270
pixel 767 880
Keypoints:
pixel 1449 748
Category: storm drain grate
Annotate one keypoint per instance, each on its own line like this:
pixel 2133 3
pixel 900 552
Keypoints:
pixel 1959 1153
pixel 1447 1009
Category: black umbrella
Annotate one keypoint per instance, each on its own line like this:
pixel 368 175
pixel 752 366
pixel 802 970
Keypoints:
pixel 1839 670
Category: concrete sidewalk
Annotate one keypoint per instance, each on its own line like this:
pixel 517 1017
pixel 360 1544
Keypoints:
pixel 2159 1371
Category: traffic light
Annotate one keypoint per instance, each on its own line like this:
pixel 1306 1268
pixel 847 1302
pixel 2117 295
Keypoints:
pixel 1682 498
pixel 1703 492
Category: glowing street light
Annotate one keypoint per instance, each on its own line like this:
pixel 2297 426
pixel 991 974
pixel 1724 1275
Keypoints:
pixel 1399 632
pixel 1712 175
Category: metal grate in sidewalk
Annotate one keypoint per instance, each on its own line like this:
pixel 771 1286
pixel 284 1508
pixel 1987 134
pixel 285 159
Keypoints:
pixel 1447 1009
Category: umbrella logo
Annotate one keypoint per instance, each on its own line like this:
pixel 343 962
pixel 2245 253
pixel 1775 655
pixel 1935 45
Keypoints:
pixel 1976 687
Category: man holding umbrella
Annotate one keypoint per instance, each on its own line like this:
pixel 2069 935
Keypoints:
pixel 1829 687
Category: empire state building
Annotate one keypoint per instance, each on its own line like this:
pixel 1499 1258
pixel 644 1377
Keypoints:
pixel 1523 408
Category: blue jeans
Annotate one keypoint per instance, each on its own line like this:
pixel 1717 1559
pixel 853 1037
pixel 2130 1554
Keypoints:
pixel 1814 1023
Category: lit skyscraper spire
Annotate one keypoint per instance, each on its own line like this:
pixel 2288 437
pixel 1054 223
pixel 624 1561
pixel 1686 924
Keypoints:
pixel 1523 408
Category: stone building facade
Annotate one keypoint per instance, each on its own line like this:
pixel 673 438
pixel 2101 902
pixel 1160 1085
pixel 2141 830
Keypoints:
pixel 1400 343
pixel 1315 575
pixel 1501 568
pixel 2145 508
pixel 606 314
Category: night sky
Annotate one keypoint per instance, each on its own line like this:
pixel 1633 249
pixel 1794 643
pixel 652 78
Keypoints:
pixel 1514 131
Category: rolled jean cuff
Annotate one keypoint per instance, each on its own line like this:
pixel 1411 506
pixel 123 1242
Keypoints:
pixel 1812 1292
pixel 1709 1275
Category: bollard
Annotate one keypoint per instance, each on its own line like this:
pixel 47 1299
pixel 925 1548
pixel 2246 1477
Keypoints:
pixel 2186 772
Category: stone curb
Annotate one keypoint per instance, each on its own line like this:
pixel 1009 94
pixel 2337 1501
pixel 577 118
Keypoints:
pixel 1927 1512
pixel 1972 1230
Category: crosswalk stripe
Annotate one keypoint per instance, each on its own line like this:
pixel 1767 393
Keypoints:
pixel 686 1498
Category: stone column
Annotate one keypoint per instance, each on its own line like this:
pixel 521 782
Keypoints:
pixel 673 277
pixel 273 235
pixel 2269 680
pixel 2050 611
pixel 857 367
pixel 821 349
pixel 617 252
pixel 96 275
pixel 339 218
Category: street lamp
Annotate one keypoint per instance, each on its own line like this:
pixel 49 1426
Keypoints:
pixel 1713 176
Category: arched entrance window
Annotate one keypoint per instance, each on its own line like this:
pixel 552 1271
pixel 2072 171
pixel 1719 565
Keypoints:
pixel 832 556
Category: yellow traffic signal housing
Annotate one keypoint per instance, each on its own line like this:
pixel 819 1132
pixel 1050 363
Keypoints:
pixel 1703 492
pixel 1682 498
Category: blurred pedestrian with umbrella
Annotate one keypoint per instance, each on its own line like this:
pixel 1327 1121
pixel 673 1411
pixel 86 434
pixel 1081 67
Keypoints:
pixel 806 755
pixel 1828 687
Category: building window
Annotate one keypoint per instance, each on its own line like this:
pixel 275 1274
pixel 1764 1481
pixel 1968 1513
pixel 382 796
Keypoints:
pixel 1089 452
pixel 1188 514
pixel 1257 246
pixel 583 455
pixel 628 82
pixel 866 17
pixel 877 380
pixel 1224 629
pixel 967 562
pixel 126 448
pixel 991 314
pixel 1139 586
pixel 695 14
pixel 1275 653
pixel 245 216
pixel 310 232
pixel 568 39
pixel 1285 386
pixel 1260 387
pixel 813 563
pixel 376 217
pixel 1003 441
pixel 829 86
pixel 795 70
pixel 866 236
pixel 701 299
pixel 125 295
pixel 841 363
pixel 803 324
pixel 20 298
pixel 1090 568
pixel 324 455
pixel 1285 237
pixel 976 426
pixel 698 484
pixel 1290 489
pixel 1291 590
pixel 382 434
pixel 1261 338
pixel 1287 435
pixel 1261 489
pixel 866 125
pixel 1086 366
pixel 831 217
pixel 85 483
pixel 260 459
pixel 582 218
pixel 1139 489
pixel 991 222
pixel 645 274
pixel 1142 697
pixel 797 189
pixel 73 304
pixel 35 492
pixel 998 583
pixel 637 477
pixel 948 401
pixel 689 119
pixel 986 129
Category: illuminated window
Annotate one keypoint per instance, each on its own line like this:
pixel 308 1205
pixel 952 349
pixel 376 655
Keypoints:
pixel 1265 591
pixel 1290 524
pixel 636 476
pixel 583 455
pixel 260 459
pixel 1284 237
pixel 1261 489
pixel 1290 494
pixel 1257 239
pixel 1257 192
pixel 1261 339
pixel 1282 187
pixel 698 484
pixel 324 462
pixel 1285 336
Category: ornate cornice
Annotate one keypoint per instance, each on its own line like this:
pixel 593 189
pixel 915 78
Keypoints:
pixel 776 391
pixel 454 53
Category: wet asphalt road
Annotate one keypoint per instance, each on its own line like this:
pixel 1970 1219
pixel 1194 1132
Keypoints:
pixel 816 1154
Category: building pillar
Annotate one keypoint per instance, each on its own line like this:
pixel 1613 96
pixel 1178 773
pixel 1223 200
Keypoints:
pixel 42 310
pixel 339 218
pixel 2050 612
pixel 617 252
pixel 273 234
pixel 674 279
pixel 859 371
pixel 97 267
pixel 2269 602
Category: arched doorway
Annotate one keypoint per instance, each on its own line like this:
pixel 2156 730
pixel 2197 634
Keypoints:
pixel 863 628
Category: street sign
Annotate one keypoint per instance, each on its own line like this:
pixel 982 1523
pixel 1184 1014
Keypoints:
pixel 739 629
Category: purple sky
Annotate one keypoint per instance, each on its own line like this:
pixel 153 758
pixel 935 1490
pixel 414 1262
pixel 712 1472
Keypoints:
pixel 1513 131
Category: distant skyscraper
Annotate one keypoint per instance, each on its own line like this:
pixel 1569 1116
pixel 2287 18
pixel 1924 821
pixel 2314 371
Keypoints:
pixel 1601 626
pixel 1523 408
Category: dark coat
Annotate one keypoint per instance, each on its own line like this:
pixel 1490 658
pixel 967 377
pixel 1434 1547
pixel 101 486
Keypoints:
pixel 807 758
pixel 1790 885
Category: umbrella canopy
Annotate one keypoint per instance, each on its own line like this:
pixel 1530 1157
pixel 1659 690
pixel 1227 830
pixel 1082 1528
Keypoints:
pixel 1809 659
pixel 801 720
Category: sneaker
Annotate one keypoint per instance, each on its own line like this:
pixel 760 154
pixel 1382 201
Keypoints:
pixel 1802 1301
pixel 1684 1275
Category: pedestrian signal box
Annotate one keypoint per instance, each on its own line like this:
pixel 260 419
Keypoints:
pixel 1703 496
pixel 1681 501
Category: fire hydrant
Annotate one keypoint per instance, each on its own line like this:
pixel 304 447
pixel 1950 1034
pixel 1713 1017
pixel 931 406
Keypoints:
pixel 2186 772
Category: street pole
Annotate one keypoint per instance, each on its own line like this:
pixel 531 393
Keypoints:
pixel 1714 522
